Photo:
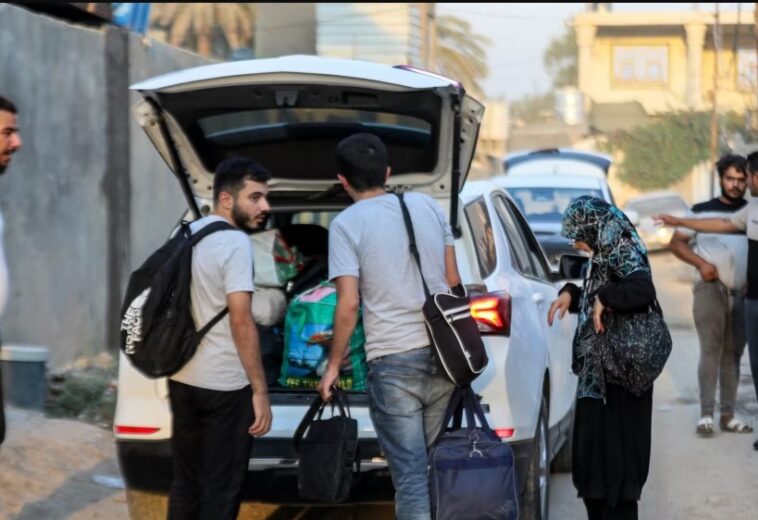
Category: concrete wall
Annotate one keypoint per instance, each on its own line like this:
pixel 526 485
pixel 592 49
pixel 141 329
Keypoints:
pixel 58 198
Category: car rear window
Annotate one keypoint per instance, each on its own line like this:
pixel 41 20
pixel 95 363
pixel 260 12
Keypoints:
pixel 547 204
pixel 300 142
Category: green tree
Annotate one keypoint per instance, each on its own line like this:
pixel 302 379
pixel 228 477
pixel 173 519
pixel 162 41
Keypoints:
pixel 663 152
pixel 560 60
pixel 460 52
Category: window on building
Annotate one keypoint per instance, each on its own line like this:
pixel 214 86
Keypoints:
pixel 640 65
pixel 747 77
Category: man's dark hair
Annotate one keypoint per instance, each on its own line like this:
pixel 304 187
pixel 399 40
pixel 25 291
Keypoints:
pixel 752 163
pixel 731 161
pixel 232 173
pixel 362 160
pixel 7 105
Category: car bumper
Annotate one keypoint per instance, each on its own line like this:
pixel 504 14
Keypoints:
pixel 272 473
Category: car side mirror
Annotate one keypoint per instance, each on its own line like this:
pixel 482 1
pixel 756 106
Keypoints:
pixel 571 267
pixel 633 217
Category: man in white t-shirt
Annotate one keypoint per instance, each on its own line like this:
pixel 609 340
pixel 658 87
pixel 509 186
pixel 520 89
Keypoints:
pixel 211 396
pixel 10 143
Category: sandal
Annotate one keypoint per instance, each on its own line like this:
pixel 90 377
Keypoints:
pixel 705 426
pixel 734 425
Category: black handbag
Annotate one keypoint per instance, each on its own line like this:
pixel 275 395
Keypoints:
pixel 453 333
pixel 327 451
pixel 634 348
pixel 472 472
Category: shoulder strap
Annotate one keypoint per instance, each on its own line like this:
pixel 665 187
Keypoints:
pixel 203 232
pixel 412 240
pixel 194 239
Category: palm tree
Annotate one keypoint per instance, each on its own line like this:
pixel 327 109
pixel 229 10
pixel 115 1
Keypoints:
pixel 460 54
pixel 199 20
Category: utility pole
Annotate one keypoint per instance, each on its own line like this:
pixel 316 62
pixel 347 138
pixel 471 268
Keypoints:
pixel 714 111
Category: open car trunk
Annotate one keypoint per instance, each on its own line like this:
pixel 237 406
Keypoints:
pixel 289 114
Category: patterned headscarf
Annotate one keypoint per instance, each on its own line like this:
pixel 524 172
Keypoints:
pixel 602 226
pixel 617 253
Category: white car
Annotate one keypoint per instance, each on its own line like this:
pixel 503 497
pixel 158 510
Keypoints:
pixel 289 113
pixel 544 182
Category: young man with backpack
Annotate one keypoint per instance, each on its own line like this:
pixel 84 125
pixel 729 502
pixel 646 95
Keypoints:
pixel 371 264
pixel 211 395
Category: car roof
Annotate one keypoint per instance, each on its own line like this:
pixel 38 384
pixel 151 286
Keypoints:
pixel 521 158
pixel 404 77
pixel 551 181
pixel 475 189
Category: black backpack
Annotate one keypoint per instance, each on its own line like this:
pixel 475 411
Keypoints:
pixel 158 334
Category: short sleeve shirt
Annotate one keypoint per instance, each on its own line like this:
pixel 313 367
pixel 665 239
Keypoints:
pixel 369 241
pixel 222 263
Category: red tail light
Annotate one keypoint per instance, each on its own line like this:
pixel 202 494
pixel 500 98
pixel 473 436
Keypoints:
pixel 492 313
pixel 504 433
pixel 134 430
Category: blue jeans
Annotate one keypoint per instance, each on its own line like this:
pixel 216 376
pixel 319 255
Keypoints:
pixel 407 401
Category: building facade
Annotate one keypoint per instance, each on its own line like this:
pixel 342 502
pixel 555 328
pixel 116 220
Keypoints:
pixel 667 61
pixel 394 34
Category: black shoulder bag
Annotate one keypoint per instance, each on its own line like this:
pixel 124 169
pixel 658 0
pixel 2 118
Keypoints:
pixel 453 333
pixel 328 450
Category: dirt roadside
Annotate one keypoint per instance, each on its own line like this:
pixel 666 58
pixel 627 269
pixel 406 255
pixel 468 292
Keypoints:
pixel 58 468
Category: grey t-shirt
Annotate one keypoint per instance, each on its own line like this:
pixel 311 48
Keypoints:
pixel 222 263
pixel 369 241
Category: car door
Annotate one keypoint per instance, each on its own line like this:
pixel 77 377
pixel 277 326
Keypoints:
pixel 558 336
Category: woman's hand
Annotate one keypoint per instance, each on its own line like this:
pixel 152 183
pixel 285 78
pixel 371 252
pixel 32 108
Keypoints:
pixel 597 315
pixel 562 304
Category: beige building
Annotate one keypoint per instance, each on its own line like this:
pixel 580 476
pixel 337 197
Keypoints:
pixel 666 61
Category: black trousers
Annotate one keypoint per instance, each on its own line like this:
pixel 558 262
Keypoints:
pixel 211 448
pixel 599 510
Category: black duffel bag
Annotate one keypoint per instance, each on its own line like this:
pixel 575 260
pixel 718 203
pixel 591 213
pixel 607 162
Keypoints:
pixel 327 451
pixel 453 333
pixel 472 472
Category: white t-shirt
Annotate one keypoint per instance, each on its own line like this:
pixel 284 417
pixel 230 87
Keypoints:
pixel 222 263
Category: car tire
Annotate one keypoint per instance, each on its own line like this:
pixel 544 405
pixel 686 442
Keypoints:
pixel 145 505
pixel 562 461
pixel 537 490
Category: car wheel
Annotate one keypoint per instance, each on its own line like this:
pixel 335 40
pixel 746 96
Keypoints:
pixel 537 489
pixel 144 505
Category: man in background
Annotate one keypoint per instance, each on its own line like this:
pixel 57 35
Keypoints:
pixel 718 297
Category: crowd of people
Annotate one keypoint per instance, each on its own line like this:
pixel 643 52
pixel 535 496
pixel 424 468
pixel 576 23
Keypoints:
pixel 219 399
